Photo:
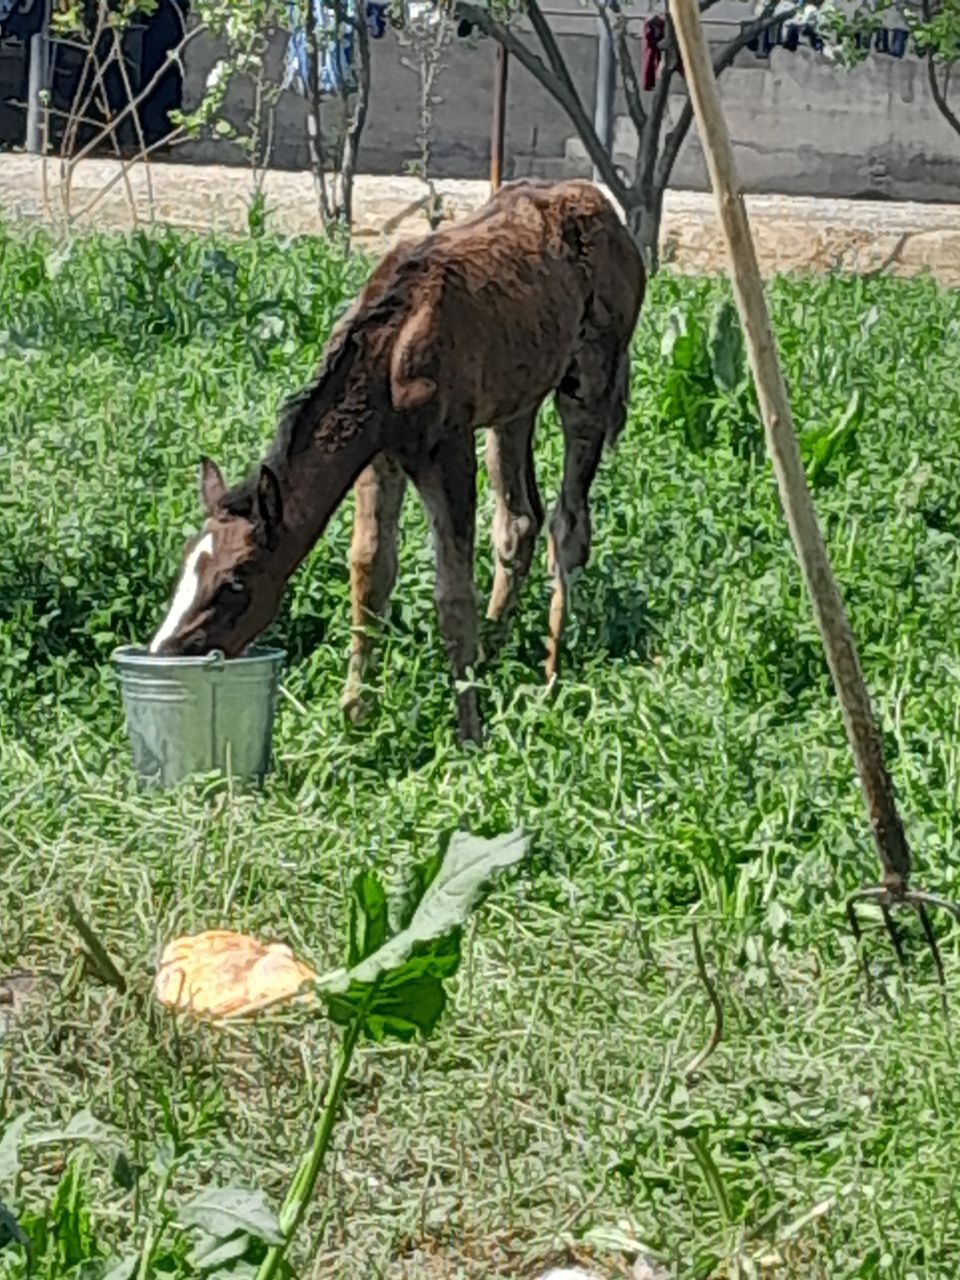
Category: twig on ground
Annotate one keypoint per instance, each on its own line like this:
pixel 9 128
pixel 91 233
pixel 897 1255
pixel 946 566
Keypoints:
pixel 716 1034
pixel 96 955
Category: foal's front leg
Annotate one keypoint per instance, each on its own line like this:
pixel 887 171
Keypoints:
pixel 447 483
pixel 379 493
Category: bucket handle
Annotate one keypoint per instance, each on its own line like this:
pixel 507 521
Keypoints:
pixel 214 659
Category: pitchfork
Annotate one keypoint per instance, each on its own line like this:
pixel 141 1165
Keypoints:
pixel 838 643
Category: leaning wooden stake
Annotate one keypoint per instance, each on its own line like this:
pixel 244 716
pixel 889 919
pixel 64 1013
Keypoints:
pixel 798 506
pixel 499 120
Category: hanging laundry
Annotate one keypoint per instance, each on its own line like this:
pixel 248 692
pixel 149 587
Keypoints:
pixel 654 30
pixel 336 56
pixel 418 10
pixel 766 40
pixel 20 19
pixel 376 19
pixel 653 33
pixel 813 36
pixel 898 42
pixel 789 35
pixel 892 41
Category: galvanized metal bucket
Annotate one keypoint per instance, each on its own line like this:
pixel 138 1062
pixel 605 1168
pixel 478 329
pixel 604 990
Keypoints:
pixel 197 715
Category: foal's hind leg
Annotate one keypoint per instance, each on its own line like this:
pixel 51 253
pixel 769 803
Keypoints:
pixel 447 483
pixel 373 568
pixel 587 422
pixel 517 520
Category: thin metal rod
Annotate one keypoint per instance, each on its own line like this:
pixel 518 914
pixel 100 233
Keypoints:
pixel 603 109
pixel 499 118
pixel 782 446
pixel 38 81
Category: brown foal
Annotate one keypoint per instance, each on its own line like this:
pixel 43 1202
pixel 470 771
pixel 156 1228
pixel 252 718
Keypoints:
pixel 538 292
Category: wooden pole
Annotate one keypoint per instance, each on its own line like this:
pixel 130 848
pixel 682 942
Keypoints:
pixel 38 81
pixel 784 452
pixel 499 118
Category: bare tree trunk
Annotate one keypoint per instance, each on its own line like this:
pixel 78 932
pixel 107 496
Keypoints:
pixel 354 130
pixel 642 198
pixel 643 221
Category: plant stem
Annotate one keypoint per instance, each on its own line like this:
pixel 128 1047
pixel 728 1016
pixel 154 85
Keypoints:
pixel 156 1228
pixel 305 1179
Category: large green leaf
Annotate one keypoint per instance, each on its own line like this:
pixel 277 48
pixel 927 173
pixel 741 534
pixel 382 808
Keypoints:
pixel 10 1146
pixel 222 1211
pixel 399 986
pixel 412 884
pixel 400 1009
pixel 821 444
pixel 725 344
pixel 469 865
pixel 83 1127
pixel 214 1251
pixel 368 917
pixel 70 1215
pixel 239 1271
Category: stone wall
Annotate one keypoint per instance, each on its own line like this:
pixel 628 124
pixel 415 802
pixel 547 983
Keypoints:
pixel 791 233
pixel 800 125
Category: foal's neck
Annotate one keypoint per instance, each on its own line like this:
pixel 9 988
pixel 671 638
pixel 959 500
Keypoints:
pixel 326 436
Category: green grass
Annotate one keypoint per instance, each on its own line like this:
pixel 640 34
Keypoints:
pixel 692 764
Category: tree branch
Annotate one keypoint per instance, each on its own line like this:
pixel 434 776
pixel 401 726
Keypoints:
pixel 938 92
pixel 723 60
pixel 716 1033
pixel 175 55
pixel 556 85
pixel 671 61
pixel 939 97
pixel 551 48
pixel 628 70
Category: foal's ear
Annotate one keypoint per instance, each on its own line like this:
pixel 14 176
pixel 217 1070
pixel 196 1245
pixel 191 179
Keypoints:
pixel 269 501
pixel 212 486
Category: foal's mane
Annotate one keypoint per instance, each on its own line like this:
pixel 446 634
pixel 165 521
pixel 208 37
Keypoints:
pixel 383 301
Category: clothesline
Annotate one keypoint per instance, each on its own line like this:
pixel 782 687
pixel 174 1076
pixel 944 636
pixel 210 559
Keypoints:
pixel 788 35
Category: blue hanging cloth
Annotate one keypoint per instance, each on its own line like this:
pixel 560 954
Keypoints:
pixel 336 57
pixel 6 7
pixel 376 19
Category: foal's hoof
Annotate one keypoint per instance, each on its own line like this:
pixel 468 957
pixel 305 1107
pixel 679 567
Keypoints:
pixel 356 705
pixel 469 728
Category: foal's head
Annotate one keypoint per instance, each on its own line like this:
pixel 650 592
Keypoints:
pixel 230 584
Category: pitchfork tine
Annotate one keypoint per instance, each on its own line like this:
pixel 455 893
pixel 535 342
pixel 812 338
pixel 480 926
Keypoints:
pixel 894 933
pixel 888 897
pixel 935 952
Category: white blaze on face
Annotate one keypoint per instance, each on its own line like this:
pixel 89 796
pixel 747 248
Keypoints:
pixel 186 592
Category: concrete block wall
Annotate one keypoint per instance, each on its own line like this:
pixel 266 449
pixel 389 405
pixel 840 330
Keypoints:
pixel 801 125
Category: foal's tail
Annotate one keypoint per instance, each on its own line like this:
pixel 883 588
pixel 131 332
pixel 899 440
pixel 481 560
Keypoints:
pixel 620 290
pixel 619 400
